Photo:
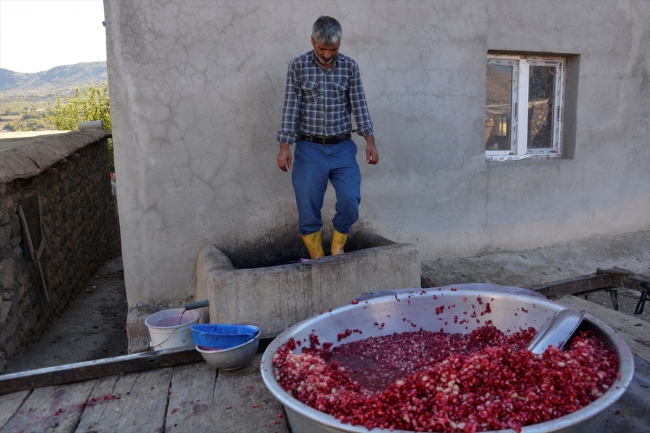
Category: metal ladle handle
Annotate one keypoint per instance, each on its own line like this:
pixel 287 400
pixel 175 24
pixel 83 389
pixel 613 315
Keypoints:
pixel 557 330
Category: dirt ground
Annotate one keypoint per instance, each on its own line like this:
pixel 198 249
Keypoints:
pixel 93 326
pixel 630 251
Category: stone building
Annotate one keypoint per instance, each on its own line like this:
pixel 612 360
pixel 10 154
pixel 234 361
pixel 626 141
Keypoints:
pixel 196 96
pixel 58 225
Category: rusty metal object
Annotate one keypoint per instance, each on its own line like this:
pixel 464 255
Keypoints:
pixel 602 279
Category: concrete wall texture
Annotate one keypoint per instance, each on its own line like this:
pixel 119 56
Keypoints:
pixel 196 94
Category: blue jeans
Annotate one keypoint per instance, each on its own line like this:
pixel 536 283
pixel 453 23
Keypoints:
pixel 314 164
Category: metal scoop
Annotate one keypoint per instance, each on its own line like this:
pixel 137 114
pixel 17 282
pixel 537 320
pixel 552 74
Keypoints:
pixel 557 330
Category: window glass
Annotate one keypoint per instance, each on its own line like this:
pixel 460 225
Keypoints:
pixel 523 106
pixel 541 91
pixel 498 107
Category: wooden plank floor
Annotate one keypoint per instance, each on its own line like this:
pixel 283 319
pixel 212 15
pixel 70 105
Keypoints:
pixel 194 397
pixel 186 398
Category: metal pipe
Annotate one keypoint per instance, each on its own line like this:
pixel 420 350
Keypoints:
pixel 195 305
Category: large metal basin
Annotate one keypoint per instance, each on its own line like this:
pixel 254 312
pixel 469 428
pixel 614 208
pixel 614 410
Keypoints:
pixel 420 309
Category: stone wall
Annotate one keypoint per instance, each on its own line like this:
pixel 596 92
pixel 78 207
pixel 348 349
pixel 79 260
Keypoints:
pixel 71 216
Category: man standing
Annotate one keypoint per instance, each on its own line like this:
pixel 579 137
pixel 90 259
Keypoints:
pixel 323 92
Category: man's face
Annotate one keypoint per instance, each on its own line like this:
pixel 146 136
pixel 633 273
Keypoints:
pixel 325 54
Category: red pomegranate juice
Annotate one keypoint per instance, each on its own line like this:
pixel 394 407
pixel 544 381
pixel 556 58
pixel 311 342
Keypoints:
pixel 432 381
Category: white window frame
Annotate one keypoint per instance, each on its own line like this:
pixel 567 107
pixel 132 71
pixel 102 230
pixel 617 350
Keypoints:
pixel 519 119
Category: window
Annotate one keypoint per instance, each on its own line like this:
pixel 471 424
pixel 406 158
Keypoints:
pixel 524 106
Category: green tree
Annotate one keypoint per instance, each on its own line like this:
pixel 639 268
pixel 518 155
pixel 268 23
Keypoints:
pixel 86 105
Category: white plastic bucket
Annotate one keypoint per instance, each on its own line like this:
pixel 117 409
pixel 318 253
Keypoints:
pixel 171 328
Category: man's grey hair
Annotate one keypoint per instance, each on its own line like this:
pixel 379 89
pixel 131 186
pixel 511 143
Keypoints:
pixel 327 31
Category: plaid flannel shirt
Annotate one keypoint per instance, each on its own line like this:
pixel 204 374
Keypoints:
pixel 320 102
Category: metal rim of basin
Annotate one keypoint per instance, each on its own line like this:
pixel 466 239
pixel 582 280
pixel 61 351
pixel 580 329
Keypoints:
pixel 564 423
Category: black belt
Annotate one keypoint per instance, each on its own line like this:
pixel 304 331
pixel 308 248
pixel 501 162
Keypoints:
pixel 334 139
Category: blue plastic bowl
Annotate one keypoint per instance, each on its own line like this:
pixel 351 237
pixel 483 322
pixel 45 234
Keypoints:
pixel 221 336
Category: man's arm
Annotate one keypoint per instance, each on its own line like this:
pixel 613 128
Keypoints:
pixel 284 157
pixel 372 156
pixel 290 112
pixel 361 115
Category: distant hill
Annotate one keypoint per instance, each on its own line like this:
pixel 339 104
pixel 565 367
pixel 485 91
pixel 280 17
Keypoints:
pixel 58 80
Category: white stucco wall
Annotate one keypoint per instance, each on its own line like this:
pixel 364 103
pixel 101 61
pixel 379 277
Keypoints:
pixel 196 93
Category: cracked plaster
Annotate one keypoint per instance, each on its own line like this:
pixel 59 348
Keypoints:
pixel 196 94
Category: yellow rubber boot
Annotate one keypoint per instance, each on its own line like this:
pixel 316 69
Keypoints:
pixel 314 244
pixel 338 241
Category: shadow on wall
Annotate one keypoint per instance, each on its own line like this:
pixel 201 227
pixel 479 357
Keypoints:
pixel 288 248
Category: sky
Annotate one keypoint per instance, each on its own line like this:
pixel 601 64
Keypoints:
pixel 36 35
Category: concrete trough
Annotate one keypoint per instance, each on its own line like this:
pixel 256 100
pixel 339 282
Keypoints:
pixel 277 297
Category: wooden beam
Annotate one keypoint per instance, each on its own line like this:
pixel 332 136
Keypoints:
pixel 35 258
pixel 40 214
pixel 149 397
pixel 9 405
pixel 87 370
pixel 583 283
pixel 246 410
pixel 81 371
pixel 40 249
pixel 53 409
pixel 193 392
pixel 640 283
pixel 21 212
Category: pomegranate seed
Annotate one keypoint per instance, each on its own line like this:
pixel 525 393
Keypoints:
pixel 432 381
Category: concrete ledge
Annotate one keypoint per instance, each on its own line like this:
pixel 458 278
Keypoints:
pixel 279 296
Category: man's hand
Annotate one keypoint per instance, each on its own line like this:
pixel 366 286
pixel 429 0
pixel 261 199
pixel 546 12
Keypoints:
pixel 372 157
pixel 284 157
